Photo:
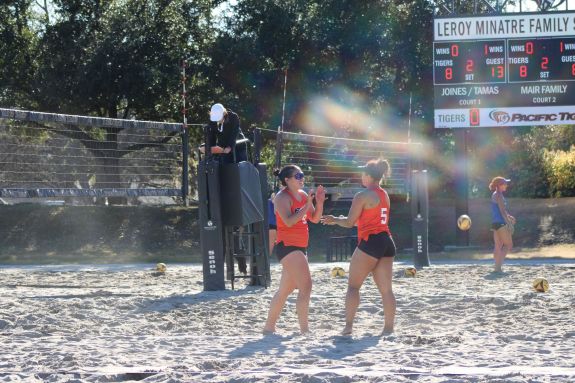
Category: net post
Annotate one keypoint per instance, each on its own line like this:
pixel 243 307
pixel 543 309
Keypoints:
pixel 420 218
pixel 211 225
pixel 185 137
pixel 185 165
pixel 261 264
pixel 461 185
pixel 279 148
pixel 211 222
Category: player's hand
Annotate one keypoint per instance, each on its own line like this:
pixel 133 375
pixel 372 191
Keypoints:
pixel 328 220
pixel 512 219
pixel 320 194
pixel 310 197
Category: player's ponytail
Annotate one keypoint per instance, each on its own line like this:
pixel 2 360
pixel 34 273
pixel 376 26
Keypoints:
pixel 385 168
pixel 377 169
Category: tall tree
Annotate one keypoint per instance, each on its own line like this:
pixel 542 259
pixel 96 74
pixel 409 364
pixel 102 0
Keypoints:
pixel 355 54
pixel 117 59
pixel 17 41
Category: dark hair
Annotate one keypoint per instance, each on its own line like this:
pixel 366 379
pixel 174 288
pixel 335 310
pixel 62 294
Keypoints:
pixel 377 169
pixel 286 172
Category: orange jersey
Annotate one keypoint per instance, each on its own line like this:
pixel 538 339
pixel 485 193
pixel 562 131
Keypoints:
pixel 376 219
pixel 297 234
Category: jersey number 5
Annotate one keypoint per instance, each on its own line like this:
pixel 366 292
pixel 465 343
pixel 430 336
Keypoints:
pixel 384 216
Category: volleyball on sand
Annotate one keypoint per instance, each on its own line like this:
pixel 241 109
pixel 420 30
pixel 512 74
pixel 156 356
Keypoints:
pixel 410 272
pixel 337 272
pixel 541 285
pixel 161 267
pixel 464 222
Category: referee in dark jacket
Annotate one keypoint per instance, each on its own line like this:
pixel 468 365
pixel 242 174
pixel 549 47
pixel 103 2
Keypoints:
pixel 224 132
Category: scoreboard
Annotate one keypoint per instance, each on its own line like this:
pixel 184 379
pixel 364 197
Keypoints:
pixel 506 70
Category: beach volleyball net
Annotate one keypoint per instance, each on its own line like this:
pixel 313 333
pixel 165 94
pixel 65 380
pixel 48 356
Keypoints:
pixel 333 161
pixel 47 155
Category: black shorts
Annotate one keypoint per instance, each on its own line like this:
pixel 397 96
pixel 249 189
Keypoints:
pixel 272 226
pixel 283 250
pixel 378 245
pixel 496 226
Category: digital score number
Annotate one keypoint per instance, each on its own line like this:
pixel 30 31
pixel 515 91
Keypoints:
pixel 541 59
pixel 469 62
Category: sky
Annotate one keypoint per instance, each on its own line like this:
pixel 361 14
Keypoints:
pixel 531 6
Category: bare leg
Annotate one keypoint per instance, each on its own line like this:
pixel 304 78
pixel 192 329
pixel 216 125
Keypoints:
pixel 506 241
pixel 360 266
pixel 297 275
pixel 286 287
pixel 497 249
pixel 382 276
pixel 273 234
pixel 302 277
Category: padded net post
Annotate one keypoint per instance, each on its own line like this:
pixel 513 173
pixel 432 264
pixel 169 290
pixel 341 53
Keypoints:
pixel 420 218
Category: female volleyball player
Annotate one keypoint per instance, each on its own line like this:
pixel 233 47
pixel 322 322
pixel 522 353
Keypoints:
pixel 502 221
pixel 376 250
pixel 293 208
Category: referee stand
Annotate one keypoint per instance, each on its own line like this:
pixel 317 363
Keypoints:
pixel 420 218
pixel 233 218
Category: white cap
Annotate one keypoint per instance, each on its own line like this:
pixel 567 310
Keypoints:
pixel 217 112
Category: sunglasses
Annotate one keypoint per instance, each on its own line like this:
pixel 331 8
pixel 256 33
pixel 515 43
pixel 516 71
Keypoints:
pixel 299 176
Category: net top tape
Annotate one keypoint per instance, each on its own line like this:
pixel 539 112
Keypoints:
pixel 68 192
pixel 26 115
pixel 333 140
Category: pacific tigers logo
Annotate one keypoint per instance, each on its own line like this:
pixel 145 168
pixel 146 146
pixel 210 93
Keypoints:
pixel 499 116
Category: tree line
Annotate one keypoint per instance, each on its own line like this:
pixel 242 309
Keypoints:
pixel 359 67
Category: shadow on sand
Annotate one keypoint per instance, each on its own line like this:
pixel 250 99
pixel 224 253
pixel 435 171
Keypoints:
pixel 266 344
pixel 494 275
pixel 175 301
pixel 343 346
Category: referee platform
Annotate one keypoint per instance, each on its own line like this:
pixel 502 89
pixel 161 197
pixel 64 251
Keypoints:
pixel 233 218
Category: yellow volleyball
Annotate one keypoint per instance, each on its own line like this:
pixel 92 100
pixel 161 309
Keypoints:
pixel 464 222
pixel 541 285
pixel 161 267
pixel 410 272
pixel 337 272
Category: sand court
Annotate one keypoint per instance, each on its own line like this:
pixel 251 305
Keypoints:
pixel 456 322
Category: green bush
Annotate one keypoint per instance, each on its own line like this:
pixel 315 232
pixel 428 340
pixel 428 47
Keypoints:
pixel 560 166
